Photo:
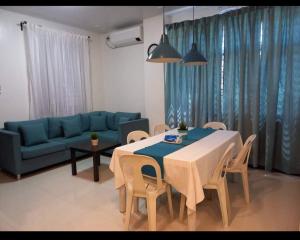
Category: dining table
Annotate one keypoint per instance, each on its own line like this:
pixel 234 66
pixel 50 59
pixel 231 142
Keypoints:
pixel 186 168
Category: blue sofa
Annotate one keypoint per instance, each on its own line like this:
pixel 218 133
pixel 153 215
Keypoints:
pixel 20 152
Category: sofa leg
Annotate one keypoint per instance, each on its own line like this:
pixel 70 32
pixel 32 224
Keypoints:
pixel 18 176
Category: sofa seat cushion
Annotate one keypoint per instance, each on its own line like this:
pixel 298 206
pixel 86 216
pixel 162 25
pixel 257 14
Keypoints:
pixel 109 135
pixel 69 141
pixel 41 149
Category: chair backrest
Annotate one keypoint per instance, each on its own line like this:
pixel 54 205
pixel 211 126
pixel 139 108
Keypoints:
pixel 137 135
pixel 131 166
pixel 160 128
pixel 226 157
pixel 215 125
pixel 243 156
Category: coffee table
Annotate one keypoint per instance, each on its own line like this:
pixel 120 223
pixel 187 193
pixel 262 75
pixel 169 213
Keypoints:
pixel 94 151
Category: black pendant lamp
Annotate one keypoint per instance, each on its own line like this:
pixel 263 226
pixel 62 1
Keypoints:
pixel 164 52
pixel 194 57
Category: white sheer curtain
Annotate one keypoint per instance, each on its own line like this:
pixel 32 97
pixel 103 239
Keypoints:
pixel 58 71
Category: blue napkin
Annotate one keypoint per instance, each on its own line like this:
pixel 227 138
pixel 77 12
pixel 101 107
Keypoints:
pixel 171 138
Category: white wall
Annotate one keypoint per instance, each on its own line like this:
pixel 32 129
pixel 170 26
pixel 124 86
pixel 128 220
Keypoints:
pixel 14 102
pixel 129 83
pixel 122 78
pixel 153 74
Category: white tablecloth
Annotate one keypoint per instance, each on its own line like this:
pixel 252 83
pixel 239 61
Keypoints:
pixel 187 169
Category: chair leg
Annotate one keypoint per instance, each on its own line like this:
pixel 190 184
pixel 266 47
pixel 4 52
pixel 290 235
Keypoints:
pixel 122 198
pixel 129 196
pixel 246 185
pixel 227 198
pixel 136 205
pixel 222 200
pixel 182 206
pixel 169 196
pixel 151 209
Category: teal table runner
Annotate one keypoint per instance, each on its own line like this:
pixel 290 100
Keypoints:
pixel 161 149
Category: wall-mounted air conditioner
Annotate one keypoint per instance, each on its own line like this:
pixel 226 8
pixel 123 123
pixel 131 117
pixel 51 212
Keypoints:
pixel 125 37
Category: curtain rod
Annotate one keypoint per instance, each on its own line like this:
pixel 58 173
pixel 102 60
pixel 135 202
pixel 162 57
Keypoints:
pixel 22 23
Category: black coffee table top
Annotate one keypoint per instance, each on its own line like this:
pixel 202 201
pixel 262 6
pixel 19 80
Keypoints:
pixel 87 147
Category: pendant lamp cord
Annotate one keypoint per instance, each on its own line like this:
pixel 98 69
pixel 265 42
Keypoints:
pixel 163 19
pixel 193 23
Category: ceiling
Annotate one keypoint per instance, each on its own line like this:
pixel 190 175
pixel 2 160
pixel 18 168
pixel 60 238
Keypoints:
pixel 101 19
pixel 104 19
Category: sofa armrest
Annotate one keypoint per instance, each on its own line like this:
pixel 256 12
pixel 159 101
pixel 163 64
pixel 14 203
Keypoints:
pixel 127 127
pixel 10 151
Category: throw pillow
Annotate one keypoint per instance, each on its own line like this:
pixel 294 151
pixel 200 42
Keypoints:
pixel 33 134
pixel 55 129
pixel 71 127
pixel 98 123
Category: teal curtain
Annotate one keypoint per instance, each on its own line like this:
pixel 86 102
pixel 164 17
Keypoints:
pixel 251 81
pixel 186 97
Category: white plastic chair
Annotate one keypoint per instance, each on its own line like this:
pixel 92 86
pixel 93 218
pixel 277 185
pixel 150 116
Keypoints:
pixel 240 164
pixel 218 182
pixel 160 128
pixel 139 186
pixel 137 135
pixel 215 125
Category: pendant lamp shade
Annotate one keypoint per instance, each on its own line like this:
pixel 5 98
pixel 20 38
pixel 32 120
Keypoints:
pixel 164 52
pixel 194 57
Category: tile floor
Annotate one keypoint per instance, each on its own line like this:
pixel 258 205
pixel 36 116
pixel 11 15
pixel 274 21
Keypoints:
pixel 53 199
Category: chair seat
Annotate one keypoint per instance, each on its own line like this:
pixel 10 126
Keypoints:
pixel 152 187
pixel 210 186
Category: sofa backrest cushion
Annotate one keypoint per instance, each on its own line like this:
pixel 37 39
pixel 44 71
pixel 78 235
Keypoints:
pixel 33 134
pixel 131 116
pixel 71 127
pixel 55 125
pixel 120 120
pixel 110 120
pixel 98 123
pixel 85 119
pixel 16 126
pixel 124 116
